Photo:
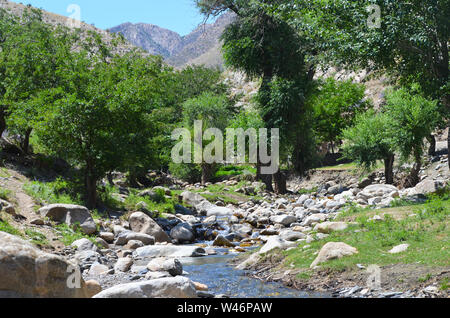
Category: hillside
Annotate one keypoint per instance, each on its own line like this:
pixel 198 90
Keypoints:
pixel 201 46
pixel 56 19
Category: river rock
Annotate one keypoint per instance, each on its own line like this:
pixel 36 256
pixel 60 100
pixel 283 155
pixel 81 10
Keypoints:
pixel 128 236
pixel 429 186
pixel 169 251
pixel 173 266
pixel 132 245
pixel 93 288
pixel 98 269
pixel 71 215
pixel 292 236
pixel 123 264
pixel 183 233
pixel 399 248
pixel 142 223
pixel 26 271
pixel 333 250
pixel 377 190
pixel 219 211
pixel 328 227
pixel 274 242
pixel 222 241
pixel 84 244
pixel 176 287
pixel 107 236
pixel 286 220
pixel 315 218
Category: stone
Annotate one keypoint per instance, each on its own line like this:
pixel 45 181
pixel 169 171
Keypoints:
pixel 182 233
pixel 191 198
pixel 98 269
pixel 173 266
pixel 127 236
pixel 37 221
pixel 101 242
pixel 179 209
pixel 27 272
pixel 333 250
pixel 429 186
pixel 219 211
pixel 157 275
pixel 7 207
pixel 377 190
pixel 302 199
pixel 286 220
pixel 175 287
pixel 107 236
pixel 275 242
pixel 133 244
pixel 200 286
pixel 250 261
pixel 329 227
pixel 123 264
pixel 292 236
pixel 71 215
pixel 315 218
pixel 335 189
pixel 399 248
pixel 222 241
pixel 142 223
pixel 169 251
pixel 84 245
pixel 93 288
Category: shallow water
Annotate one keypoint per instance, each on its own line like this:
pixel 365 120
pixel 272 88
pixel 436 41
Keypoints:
pixel 222 278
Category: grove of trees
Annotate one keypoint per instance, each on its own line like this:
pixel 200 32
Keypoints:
pixel 71 94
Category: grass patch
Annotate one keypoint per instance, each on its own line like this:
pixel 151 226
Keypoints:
pixel 36 237
pixel 427 233
pixel 5 194
pixel 58 191
pixel 444 285
pixel 70 235
pixel 4 173
pixel 8 228
pixel 232 170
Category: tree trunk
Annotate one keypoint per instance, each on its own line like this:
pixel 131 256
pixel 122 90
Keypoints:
pixel 110 179
pixel 206 173
pixel 389 169
pixel 413 178
pixel 2 120
pixel 279 180
pixel 91 186
pixel 265 178
pixel 432 150
pixel 26 141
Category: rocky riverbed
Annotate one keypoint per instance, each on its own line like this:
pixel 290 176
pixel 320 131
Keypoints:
pixel 186 254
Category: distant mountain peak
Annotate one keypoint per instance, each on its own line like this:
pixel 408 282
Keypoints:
pixel 201 46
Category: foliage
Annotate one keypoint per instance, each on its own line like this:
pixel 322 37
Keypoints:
pixel 5 194
pixel 335 105
pixel 369 140
pixel 413 119
pixel 58 191
pixel 8 228
pixel 69 235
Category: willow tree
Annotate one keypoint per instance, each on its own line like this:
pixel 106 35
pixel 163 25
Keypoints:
pixel 267 47
pixel 406 39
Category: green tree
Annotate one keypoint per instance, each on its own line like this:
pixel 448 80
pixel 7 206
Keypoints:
pixel 413 119
pixel 100 117
pixel 264 46
pixel 410 43
pixel 32 55
pixel 370 140
pixel 215 112
pixel 335 105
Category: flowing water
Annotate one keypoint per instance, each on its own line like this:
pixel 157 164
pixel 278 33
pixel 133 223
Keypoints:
pixel 223 278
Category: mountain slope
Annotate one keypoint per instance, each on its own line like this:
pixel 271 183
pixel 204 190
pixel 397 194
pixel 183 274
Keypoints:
pixel 201 46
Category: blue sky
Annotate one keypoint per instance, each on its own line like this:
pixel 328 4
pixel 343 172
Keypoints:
pixel 177 15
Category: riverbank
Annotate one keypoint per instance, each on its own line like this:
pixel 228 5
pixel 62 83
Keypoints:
pixel 419 267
